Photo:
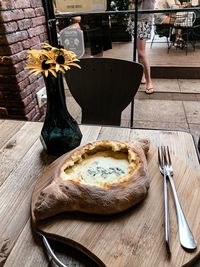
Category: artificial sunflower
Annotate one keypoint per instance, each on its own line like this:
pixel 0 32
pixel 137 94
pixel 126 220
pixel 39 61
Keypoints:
pixel 61 58
pixel 50 59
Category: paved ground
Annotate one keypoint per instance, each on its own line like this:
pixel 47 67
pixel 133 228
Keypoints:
pixel 175 105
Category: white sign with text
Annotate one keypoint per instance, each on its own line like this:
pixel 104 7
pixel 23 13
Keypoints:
pixel 80 5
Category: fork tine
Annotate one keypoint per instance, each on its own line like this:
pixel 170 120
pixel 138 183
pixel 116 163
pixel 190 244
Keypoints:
pixel 159 157
pixel 164 155
pixel 169 158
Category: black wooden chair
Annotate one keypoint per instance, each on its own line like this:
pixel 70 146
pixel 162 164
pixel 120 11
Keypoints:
pixel 103 88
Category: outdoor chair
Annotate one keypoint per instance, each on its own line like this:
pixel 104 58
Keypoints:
pixel 163 30
pixel 103 88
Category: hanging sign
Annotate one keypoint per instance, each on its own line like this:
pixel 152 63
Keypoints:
pixel 80 5
pixel 72 39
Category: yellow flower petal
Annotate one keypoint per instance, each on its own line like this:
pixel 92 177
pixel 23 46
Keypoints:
pixel 49 54
pixel 57 67
pixel 46 73
pixel 53 72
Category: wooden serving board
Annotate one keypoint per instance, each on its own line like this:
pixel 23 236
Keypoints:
pixel 135 237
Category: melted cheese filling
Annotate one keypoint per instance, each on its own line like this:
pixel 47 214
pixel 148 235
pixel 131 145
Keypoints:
pixel 101 168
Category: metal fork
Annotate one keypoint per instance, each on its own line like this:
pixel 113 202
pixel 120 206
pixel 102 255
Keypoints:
pixel 185 235
pixel 166 206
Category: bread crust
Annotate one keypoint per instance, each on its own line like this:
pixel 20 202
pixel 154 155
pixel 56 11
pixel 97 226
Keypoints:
pixel 63 195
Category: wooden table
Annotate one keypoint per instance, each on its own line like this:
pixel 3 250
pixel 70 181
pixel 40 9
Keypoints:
pixel 22 159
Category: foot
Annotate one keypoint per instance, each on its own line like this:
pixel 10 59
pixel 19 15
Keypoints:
pixel 149 90
pixel 143 81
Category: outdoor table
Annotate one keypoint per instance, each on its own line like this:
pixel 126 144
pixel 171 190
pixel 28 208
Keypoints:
pixel 22 159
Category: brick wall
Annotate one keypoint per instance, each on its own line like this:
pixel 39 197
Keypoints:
pixel 22 26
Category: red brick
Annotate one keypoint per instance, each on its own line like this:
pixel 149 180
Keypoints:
pixel 39 11
pixel 31 115
pixel 13 59
pixel 18 88
pixel 8 27
pixel 43 37
pixel 37 30
pixel 32 78
pixel 31 88
pixel 11 15
pixel 22 88
pixel 19 66
pixel 26 92
pixel 16 48
pixel 19 56
pixel 24 24
pixel 22 4
pixel 36 3
pixel 29 43
pixel 38 21
pixel 37 117
pixel 39 84
pixel 13 37
pixel 42 118
pixel 37 109
pixel 6 4
pixel 30 107
pixel 38 46
pixel 34 87
pixel 29 13
pixel 10 79
pixel 21 76
pixel 27 100
pixel 23 84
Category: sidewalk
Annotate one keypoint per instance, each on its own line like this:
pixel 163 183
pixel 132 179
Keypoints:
pixel 175 105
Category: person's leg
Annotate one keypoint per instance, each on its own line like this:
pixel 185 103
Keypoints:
pixel 143 59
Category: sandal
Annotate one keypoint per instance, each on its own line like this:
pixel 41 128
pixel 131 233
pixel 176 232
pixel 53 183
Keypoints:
pixel 149 90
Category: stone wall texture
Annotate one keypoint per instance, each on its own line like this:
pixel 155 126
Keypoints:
pixel 22 27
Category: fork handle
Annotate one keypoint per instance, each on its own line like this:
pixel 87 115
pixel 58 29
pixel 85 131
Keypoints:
pixel 166 211
pixel 185 235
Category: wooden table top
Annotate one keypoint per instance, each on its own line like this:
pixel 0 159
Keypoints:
pixel 22 159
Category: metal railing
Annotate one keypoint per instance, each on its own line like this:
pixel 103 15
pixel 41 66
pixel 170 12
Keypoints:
pixel 51 18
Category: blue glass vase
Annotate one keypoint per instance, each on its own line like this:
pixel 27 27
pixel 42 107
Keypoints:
pixel 60 132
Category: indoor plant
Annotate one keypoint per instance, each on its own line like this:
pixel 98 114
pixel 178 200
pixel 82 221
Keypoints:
pixel 119 22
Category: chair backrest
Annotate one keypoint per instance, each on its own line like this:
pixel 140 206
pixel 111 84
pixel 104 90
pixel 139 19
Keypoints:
pixel 103 88
pixel 163 30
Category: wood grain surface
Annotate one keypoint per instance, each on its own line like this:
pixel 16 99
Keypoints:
pixel 23 159
pixel 135 237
